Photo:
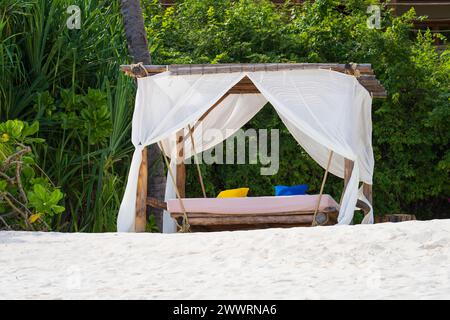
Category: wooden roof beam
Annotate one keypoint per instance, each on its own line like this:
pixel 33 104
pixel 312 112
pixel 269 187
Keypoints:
pixel 363 72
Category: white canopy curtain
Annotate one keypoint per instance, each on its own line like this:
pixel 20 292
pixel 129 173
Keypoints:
pixel 324 111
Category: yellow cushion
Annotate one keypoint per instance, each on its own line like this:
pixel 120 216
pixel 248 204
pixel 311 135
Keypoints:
pixel 233 193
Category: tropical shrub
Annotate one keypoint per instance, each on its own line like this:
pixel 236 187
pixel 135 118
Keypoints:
pixel 410 127
pixel 69 81
pixel 28 198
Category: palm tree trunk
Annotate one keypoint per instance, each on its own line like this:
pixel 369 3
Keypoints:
pixel 138 49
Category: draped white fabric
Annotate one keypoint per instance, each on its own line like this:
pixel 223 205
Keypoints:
pixel 225 119
pixel 324 111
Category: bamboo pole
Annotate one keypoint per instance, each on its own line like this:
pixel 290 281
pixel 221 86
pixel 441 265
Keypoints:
pixel 321 188
pixel 199 171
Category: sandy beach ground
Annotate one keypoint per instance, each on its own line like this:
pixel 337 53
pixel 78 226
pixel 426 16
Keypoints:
pixel 384 261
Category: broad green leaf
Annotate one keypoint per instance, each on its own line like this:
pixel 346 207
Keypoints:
pixel 58 209
pixel 55 196
pixel 29 130
pixel 40 191
pixel 28 160
pixel 28 173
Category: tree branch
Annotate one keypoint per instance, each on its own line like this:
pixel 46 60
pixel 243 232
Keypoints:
pixel 20 212
pixel 16 155
pixel 4 222
pixel 19 183
pixel 6 177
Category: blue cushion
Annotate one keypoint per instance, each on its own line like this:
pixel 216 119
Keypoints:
pixel 291 191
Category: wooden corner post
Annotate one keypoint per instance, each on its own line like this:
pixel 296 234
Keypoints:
pixel 181 169
pixel 367 188
pixel 141 195
pixel 348 169
pixel 367 191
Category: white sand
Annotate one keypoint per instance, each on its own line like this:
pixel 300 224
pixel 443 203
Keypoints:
pixel 393 261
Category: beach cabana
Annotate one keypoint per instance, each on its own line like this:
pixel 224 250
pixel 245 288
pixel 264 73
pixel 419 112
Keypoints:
pixel 326 108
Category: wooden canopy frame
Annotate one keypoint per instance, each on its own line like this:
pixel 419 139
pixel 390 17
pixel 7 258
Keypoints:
pixel 363 73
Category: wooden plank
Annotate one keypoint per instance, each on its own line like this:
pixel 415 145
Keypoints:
pixel 329 210
pixel 348 169
pixel 377 95
pixel 363 206
pixel 395 218
pixel 226 222
pixel 155 203
pixel 252 220
pixel 177 69
pixel 181 169
pixel 200 224
pixel 141 195
pixel 151 69
pixel 207 224
pixel 367 191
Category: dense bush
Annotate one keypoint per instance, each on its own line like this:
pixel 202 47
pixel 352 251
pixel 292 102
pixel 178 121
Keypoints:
pixel 69 82
pixel 28 198
pixel 410 128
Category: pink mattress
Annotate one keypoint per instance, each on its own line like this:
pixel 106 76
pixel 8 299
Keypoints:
pixel 252 204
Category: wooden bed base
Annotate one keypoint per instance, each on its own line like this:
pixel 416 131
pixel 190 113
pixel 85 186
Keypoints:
pixel 205 221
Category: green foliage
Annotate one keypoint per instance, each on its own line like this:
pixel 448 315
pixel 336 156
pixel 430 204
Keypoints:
pixel 68 81
pixel 91 150
pixel 88 114
pixel 27 198
pixel 410 127
pixel 45 201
